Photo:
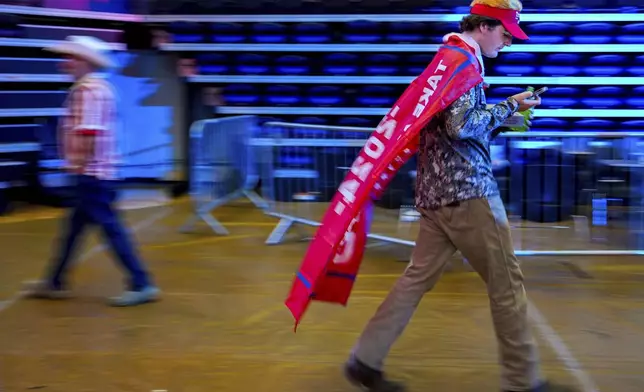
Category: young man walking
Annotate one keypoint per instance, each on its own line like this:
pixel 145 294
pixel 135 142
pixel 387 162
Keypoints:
pixel 460 207
pixel 87 140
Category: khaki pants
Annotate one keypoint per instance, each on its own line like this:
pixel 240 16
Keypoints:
pixel 480 230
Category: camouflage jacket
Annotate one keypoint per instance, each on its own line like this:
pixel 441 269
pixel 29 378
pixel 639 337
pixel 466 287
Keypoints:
pixel 454 162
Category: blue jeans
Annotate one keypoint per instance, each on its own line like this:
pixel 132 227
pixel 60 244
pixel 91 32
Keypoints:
pixel 94 205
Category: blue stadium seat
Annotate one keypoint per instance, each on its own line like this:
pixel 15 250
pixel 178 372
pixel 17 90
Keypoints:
pixel 594 124
pixel 376 96
pixel 550 124
pixel 29 65
pixel 561 64
pixel 228 33
pixel 363 32
pixel 252 64
pixel 382 64
pixel 326 96
pixel 19 133
pixel 632 125
pixel 32 99
pixel 186 32
pixel 241 94
pixel 637 69
pixel 504 91
pixel 495 95
pixel 516 64
pixel 355 122
pixel 312 33
pixel 605 65
pixel 437 31
pixel 10 26
pixel 593 33
pixel 406 32
pixel 416 64
pixel 605 91
pixel 560 97
pixel 311 120
pixel 281 95
pixel 547 32
pixel 635 98
pixel 636 4
pixel 213 63
pixel 340 64
pixel 605 97
pixel 632 33
pixel 292 65
pixel 269 33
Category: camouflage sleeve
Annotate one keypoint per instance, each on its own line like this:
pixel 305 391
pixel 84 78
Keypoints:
pixel 465 118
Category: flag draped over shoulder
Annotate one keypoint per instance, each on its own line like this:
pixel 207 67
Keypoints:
pixel 333 259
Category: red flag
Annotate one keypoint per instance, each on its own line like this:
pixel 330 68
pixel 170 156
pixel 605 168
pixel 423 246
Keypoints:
pixel 333 259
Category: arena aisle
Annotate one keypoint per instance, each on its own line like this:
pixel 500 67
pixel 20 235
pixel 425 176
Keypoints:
pixel 222 324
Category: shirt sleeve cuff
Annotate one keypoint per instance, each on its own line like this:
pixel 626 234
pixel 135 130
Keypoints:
pixel 513 104
pixel 88 132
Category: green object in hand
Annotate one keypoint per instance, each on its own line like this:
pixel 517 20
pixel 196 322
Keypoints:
pixel 522 118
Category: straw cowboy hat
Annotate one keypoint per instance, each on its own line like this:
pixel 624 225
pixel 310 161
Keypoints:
pixel 87 48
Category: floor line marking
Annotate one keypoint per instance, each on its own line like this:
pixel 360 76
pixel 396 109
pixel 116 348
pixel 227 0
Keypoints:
pixel 198 241
pixel 557 344
pixel 261 315
pixel 6 304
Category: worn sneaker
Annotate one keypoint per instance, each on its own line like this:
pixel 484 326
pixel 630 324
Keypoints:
pixel 133 298
pixel 43 290
pixel 369 379
pixel 546 387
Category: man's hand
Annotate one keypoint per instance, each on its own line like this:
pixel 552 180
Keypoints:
pixel 526 100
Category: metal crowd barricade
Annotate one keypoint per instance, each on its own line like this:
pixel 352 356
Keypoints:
pixel 567 193
pixel 222 167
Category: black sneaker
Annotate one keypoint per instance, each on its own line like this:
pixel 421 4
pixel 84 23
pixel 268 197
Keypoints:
pixel 546 387
pixel 371 380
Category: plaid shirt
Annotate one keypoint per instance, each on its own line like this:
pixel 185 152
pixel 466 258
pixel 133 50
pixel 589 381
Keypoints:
pixel 91 110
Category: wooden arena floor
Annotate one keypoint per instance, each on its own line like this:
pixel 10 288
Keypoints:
pixel 222 326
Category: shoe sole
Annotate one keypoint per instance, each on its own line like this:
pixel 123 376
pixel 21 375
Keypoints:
pixel 147 301
pixel 352 380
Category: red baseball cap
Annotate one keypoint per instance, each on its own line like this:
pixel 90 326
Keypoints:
pixel 509 18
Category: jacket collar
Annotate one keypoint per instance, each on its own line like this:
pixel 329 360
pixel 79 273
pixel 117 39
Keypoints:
pixel 469 41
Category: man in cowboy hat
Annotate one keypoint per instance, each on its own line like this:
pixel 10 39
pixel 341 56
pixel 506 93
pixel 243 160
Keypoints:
pixel 460 208
pixel 88 147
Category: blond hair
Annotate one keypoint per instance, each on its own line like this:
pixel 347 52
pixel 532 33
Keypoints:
pixel 506 4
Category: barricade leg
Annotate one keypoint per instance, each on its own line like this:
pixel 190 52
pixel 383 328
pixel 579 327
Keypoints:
pixel 223 168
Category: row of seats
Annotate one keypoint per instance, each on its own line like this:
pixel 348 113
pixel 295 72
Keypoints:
pixel 367 95
pixel 512 63
pixel 385 96
pixel 380 64
pixel 18 28
pixel 365 31
pixel 29 65
pixel 215 7
pixel 32 99
pixel 34 31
